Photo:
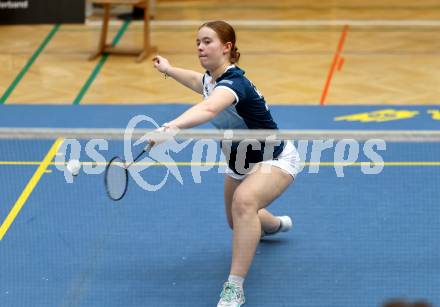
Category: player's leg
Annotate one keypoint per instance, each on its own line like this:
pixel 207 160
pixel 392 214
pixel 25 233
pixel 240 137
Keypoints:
pixel 245 200
pixel 256 192
pixel 269 223
pixel 230 185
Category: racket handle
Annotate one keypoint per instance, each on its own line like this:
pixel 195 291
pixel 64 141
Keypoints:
pixel 148 147
pixel 145 150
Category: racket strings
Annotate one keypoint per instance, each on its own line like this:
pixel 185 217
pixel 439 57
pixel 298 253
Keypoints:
pixel 116 178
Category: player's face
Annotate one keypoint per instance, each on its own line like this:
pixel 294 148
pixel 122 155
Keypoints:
pixel 212 52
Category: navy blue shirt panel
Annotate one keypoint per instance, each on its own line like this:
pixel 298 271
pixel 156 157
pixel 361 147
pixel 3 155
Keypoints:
pixel 249 112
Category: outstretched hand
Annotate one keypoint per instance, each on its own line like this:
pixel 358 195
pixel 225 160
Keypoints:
pixel 161 64
pixel 163 134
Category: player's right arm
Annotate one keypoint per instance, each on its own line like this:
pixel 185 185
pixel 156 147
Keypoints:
pixel 189 78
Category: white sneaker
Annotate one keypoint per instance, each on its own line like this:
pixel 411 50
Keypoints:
pixel 232 295
pixel 285 225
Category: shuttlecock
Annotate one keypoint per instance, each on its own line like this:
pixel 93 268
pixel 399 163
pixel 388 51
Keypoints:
pixel 73 166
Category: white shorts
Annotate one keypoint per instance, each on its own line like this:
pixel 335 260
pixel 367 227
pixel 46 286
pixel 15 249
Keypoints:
pixel 288 161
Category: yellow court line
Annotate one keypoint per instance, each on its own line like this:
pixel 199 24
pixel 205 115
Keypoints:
pixel 19 163
pixel 29 187
pixel 391 163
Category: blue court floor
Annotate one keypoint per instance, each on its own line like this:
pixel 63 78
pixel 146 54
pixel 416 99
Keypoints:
pixel 357 241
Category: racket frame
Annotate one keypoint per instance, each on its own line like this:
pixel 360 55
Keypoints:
pixel 125 166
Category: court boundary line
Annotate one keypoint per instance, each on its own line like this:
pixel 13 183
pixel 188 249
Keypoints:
pixel 27 191
pixel 288 22
pixel 100 64
pixel 331 71
pixel 29 63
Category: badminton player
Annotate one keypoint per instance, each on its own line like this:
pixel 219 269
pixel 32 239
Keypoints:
pixel 231 101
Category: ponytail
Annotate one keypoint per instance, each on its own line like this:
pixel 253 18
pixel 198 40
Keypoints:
pixel 235 55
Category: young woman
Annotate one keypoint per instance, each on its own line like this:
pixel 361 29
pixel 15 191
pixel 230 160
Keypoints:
pixel 231 101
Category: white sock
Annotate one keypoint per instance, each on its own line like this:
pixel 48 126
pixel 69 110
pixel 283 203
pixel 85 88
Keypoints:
pixel 238 280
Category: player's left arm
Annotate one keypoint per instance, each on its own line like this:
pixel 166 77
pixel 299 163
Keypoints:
pixel 206 110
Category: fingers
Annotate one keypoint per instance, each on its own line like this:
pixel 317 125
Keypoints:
pixel 157 59
pixel 156 62
pixel 149 145
pixel 163 134
pixel 160 63
pixel 156 139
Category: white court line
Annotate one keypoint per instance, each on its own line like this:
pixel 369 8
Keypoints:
pixel 290 22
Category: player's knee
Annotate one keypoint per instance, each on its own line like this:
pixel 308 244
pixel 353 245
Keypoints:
pixel 243 204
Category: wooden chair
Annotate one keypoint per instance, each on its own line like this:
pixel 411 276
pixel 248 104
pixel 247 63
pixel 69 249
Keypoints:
pixel 104 48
